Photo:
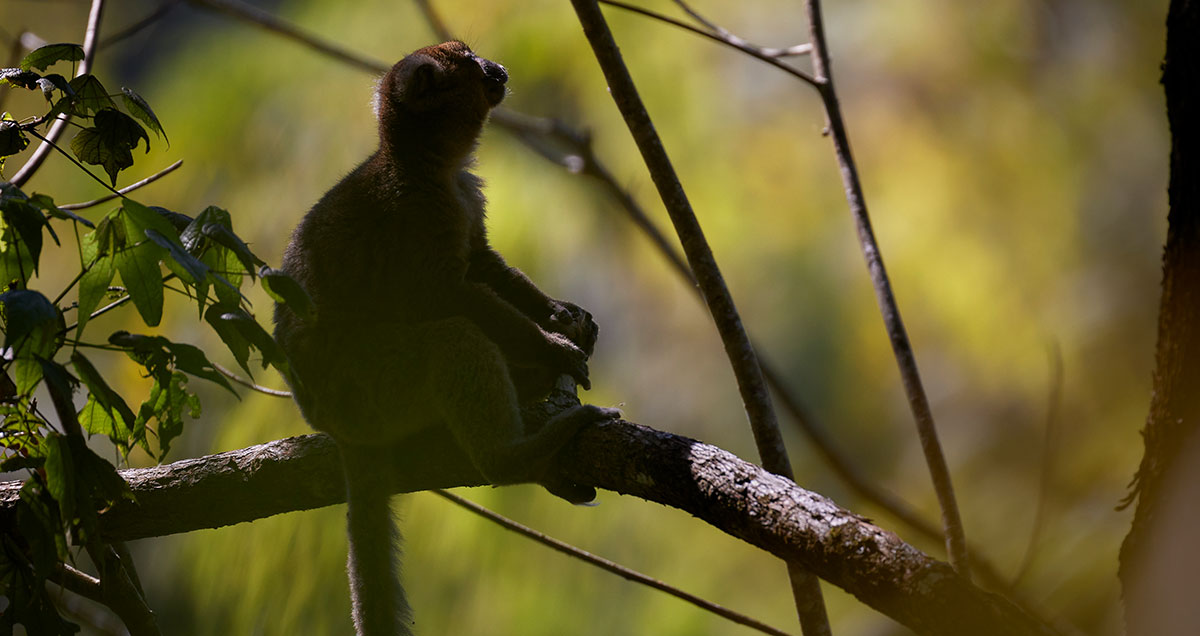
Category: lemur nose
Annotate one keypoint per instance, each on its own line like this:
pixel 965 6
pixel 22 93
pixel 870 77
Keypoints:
pixel 494 71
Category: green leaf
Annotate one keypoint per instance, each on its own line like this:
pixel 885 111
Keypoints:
pixel 141 110
pixel 284 289
pixel 44 57
pixel 139 218
pixel 223 235
pixel 143 279
pixel 191 360
pixel 90 96
pixel 109 142
pixel 93 286
pixel 108 399
pixel 168 402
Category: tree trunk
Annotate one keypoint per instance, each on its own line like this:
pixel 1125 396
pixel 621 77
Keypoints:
pixel 1160 558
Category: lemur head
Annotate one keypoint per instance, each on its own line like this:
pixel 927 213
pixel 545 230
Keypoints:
pixel 433 103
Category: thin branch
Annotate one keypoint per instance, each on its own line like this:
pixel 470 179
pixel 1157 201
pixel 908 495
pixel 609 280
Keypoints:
pixel 799 49
pixel 262 19
pixel 78 582
pixel 956 543
pixel 770 56
pixel 99 312
pixel 48 141
pixel 609 566
pixel 159 12
pixel 755 397
pixel 248 384
pixel 434 21
pixel 126 190
pixel 1049 451
pixel 90 41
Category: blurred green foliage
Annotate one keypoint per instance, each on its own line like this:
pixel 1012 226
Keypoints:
pixel 1014 160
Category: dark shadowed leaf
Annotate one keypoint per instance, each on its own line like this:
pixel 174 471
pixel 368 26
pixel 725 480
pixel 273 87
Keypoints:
pixel 238 345
pixel 90 95
pixel 19 78
pixel 191 360
pixel 284 289
pixel 60 474
pixel 12 138
pixel 109 143
pixel 26 312
pixel 45 203
pixel 46 56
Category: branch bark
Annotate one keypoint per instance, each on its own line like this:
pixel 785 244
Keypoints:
pixel 735 496
pixel 1159 557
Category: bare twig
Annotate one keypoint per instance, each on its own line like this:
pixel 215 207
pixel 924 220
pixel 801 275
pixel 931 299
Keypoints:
pixel 126 190
pixel 90 41
pixel 770 56
pixel 434 20
pixel 78 582
pixel 161 10
pixel 47 141
pixel 799 49
pixel 1049 448
pixel 262 19
pixel 609 566
pixel 248 384
pixel 956 543
pixel 755 396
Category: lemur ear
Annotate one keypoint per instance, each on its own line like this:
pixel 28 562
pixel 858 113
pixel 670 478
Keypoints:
pixel 417 79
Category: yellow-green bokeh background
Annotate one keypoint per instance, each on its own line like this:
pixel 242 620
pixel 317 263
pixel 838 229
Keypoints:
pixel 1014 159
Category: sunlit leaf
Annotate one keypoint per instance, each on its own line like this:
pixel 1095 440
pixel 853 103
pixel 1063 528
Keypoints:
pixel 108 399
pixel 142 277
pixel 93 285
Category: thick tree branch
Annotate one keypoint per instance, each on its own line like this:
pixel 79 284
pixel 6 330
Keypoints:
pixel 737 497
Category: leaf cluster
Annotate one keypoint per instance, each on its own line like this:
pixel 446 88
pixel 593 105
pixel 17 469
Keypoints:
pixel 133 254
pixel 109 140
